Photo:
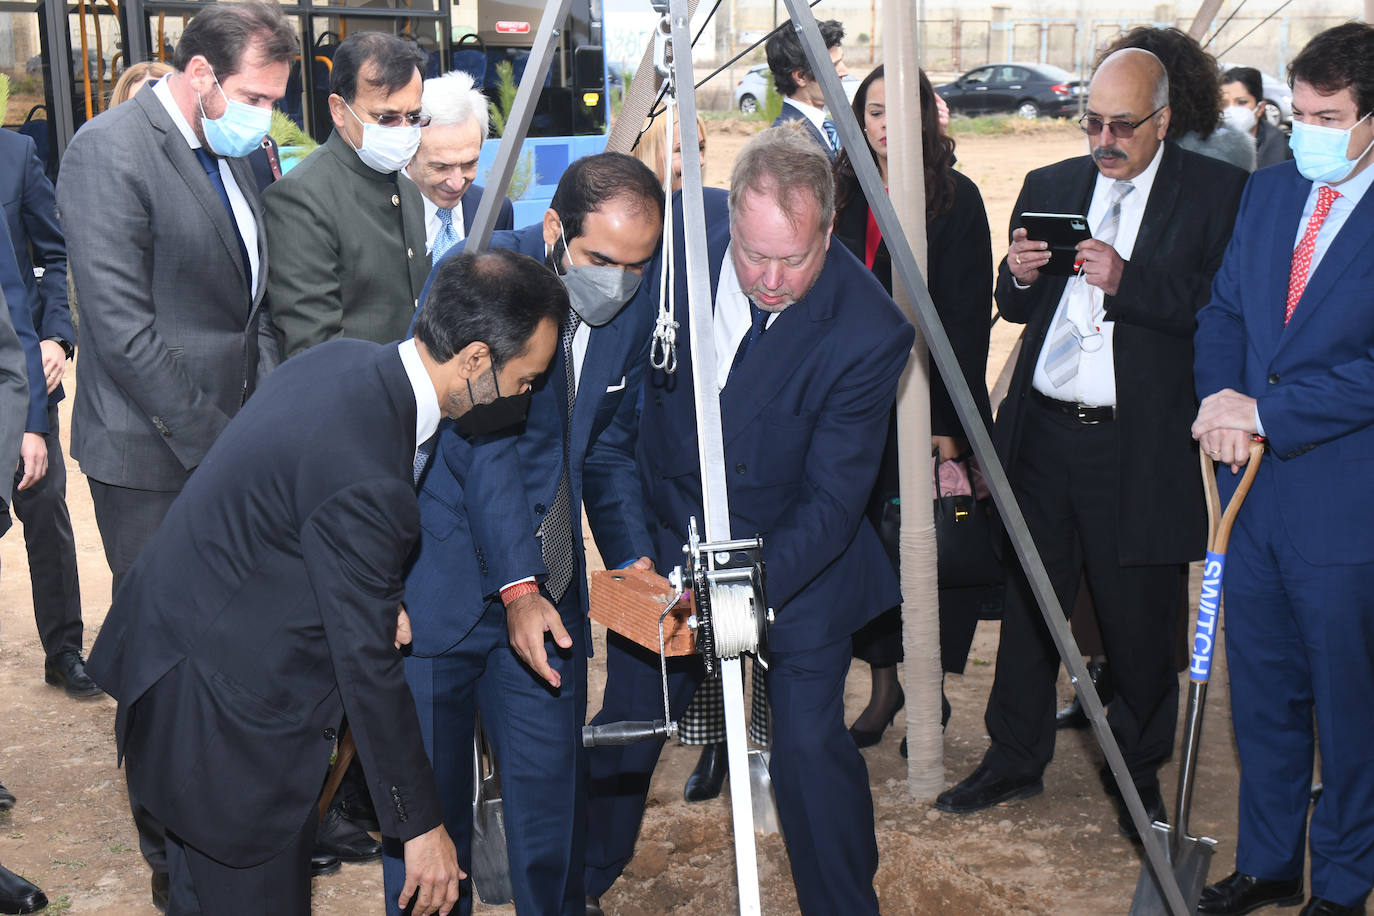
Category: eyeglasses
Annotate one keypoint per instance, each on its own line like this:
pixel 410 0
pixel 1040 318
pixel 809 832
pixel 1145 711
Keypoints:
pixel 396 120
pixel 1121 130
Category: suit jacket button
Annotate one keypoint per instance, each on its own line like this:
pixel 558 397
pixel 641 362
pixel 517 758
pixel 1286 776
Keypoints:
pixel 395 200
pixel 663 525
pixel 330 734
pixel 540 508
pixel 1273 378
pixel 410 253
pixel 740 468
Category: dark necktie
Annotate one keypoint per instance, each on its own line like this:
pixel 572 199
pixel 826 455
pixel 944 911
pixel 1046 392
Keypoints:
pixel 555 534
pixel 211 166
pixel 422 456
pixel 757 325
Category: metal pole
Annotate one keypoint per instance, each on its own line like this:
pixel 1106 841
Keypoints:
pixel 60 72
pixel 1205 14
pixel 904 264
pixel 517 124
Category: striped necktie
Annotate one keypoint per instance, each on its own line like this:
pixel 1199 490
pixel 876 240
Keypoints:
pixel 446 237
pixel 555 533
pixel 1061 357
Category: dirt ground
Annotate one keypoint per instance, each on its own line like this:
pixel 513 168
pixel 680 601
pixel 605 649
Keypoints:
pixel 1058 853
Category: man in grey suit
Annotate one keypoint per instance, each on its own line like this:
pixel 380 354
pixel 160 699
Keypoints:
pixel 166 246
pixel 347 232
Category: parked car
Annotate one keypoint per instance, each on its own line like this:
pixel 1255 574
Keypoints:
pixel 752 88
pixel 1028 90
pixel 1278 98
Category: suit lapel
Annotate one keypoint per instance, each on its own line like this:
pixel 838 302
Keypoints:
pixel 1350 246
pixel 243 174
pixel 1159 207
pixel 603 345
pixel 183 159
pixel 1272 298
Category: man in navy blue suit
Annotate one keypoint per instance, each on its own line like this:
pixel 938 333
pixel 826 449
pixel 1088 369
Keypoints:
pixel 1284 350
pixel 809 349
pixel 801 91
pixel 446 162
pixel 31 217
pixel 515 649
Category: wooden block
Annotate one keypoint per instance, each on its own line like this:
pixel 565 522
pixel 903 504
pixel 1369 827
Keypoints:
pixel 629 602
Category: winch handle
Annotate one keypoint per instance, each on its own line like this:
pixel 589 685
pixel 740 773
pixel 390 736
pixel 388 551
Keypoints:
pixel 616 733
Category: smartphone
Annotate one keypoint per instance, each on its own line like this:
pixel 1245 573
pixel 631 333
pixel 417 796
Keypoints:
pixel 1063 232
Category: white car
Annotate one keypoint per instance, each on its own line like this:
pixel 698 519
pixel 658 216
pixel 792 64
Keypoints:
pixel 752 89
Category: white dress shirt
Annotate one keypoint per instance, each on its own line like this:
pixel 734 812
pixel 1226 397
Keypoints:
pixel 1352 192
pixel 432 224
pixel 1095 383
pixel 813 114
pixel 732 319
pixel 426 399
pixel 243 214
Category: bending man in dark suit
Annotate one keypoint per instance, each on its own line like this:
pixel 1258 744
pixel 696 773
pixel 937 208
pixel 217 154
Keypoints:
pixel 1094 430
pixel 165 235
pixel 808 352
pixel 446 162
pixel 31 215
pixel 519 529
pixel 266 604
pixel 1285 349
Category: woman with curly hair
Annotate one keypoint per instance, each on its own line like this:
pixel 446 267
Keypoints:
pixel 1194 94
pixel 959 277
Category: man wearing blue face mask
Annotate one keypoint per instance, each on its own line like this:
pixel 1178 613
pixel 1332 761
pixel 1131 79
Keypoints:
pixel 346 233
pixel 1283 350
pixel 166 247
pixel 515 648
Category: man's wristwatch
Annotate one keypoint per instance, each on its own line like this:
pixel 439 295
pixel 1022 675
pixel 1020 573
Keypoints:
pixel 65 344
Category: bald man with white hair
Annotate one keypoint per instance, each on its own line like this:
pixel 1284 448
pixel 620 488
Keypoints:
pixel 1095 432
pixel 446 163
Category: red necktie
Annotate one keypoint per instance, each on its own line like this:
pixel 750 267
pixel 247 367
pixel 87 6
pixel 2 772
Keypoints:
pixel 1302 256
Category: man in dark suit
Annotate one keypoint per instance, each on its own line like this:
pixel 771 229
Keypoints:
pixel 267 602
pixel 1284 350
pixel 809 351
pixel 165 235
pixel 801 91
pixel 1093 432
pixel 347 232
pixel 31 216
pixel 525 530
pixel 17 895
pixel 446 162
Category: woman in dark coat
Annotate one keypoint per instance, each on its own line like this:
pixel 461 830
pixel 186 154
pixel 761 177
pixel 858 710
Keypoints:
pixel 959 277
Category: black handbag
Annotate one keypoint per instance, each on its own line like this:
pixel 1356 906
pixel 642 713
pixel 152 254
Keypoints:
pixel 964 526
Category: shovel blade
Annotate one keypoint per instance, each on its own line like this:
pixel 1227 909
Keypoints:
pixel 490 863
pixel 761 793
pixel 1189 860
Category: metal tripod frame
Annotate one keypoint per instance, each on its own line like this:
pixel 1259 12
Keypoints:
pixel 904 264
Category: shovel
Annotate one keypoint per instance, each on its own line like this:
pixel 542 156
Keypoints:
pixel 1191 856
pixel 490 868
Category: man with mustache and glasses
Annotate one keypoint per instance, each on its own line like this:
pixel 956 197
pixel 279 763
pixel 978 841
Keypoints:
pixel 1094 432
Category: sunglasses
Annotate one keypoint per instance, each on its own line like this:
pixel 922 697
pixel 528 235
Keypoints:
pixel 1121 130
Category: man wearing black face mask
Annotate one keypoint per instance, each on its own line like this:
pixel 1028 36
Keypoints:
pixel 525 537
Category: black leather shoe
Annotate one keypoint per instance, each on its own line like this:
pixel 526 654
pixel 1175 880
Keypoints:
pixel 867 737
pixel 323 864
pixel 709 774
pixel 68 671
pixel 1072 715
pixel 1153 801
pixel 986 787
pixel 161 887
pixel 1319 907
pixel 594 907
pixel 18 895
pixel 339 837
pixel 7 799
pixel 1238 893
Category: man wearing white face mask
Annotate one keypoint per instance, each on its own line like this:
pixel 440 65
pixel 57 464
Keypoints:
pixel 347 234
pixel 166 248
pixel 1284 350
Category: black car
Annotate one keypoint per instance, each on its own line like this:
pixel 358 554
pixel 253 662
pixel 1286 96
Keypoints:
pixel 1029 90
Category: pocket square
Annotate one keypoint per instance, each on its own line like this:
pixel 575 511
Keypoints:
pixel 618 386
